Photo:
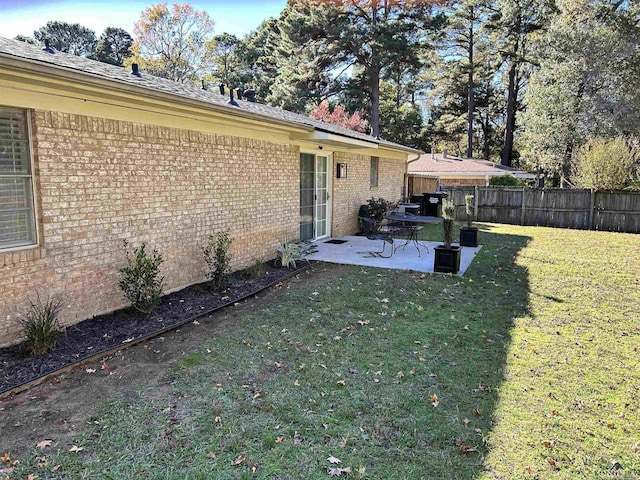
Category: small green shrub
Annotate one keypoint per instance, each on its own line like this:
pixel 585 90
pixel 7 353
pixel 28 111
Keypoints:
pixel 505 181
pixel 257 270
pixel 141 282
pixel 288 253
pixel 448 213
pixel 218 259
pixel 470 208
pixel 40 325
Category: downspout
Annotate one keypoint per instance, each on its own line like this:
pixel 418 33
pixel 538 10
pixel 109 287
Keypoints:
pixel 406 174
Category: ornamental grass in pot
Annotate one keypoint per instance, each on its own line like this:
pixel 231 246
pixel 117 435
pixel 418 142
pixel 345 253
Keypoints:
pixel 447 256
pixel 469 234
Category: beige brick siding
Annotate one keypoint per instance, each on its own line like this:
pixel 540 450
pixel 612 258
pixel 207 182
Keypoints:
pixel 351 192
pixel 101 181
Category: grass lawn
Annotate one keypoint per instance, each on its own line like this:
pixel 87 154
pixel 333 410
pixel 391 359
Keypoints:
pixel 526 367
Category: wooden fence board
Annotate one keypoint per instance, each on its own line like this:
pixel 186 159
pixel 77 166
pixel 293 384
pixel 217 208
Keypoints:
pixel 553 207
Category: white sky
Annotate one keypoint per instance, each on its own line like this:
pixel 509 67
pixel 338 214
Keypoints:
pixel 24 16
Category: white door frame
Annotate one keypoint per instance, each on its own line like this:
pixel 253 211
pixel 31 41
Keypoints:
pixel 329 203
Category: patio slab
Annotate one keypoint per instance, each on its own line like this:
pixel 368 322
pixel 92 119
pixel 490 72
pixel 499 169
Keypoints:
pixel 355 252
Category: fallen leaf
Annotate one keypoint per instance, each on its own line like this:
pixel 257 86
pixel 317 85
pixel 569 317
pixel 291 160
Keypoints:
pixel 297 439
pixel 5 458
pixel 549 443
pixel 466 421
pixel 343 443
pixel 211 455
pixel 464 448
pixel 44 443
pixel 76 449
pixel 296 383
pixel 434 400
pixel 528 470
pixel 196 322
pixel 7 470
pixel 552 463
pixel 31 476
pixel 238 461
pixel 333 459
pixel 636 447
pixel 476 411
pixel 218 419
pixel 279 439
pixel 91 370
pixel 254 468
pixel 361 470
pixel 400 374
pixel 341 382
pixel 278 364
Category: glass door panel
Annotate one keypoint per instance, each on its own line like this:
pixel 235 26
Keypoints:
pixel 322 197
pixel 307 195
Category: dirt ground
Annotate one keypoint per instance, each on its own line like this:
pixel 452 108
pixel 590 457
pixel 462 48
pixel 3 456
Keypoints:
pixel 60 408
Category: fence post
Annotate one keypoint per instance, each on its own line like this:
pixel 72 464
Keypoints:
pixel 523 207
pixel 591 208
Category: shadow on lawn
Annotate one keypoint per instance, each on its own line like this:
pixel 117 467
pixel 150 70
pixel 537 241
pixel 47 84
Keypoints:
pixel 481 308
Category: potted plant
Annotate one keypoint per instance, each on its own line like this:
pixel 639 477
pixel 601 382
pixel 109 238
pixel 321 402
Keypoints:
pixel 447 256
pixel 376 209
pixel 469 234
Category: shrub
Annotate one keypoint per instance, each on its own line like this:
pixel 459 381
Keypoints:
pixel 218 259
pixel 257 270
pixel 470 208
pixel 605 164
pixel 448 212
pixel 40 324
pixel 288 253
pixel 505 181
pixel 141 282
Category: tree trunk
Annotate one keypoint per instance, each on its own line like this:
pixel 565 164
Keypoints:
pixel 471 97
pixel 507 149
pixel 374 80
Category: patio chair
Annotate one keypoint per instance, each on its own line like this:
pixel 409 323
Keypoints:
pixel 373 231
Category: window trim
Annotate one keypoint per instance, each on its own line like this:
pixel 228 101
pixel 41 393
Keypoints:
pixel 34 199
pixel 374 182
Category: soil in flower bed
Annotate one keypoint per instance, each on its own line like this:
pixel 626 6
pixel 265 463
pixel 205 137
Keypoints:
pixel 100 334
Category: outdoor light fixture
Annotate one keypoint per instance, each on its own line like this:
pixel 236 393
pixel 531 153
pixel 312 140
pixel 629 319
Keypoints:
pixel 341 170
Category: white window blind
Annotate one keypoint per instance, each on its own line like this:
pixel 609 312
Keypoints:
pixel 17 226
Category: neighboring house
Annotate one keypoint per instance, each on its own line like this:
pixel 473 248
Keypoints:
pixel 92 154
pixel 453 171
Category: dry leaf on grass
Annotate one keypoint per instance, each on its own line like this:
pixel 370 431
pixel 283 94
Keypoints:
pixel 44 443
pixel 76 449
pixel 238 461
pixel 333 459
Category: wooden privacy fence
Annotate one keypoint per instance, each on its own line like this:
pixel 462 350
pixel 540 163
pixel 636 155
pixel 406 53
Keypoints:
pixel 552 207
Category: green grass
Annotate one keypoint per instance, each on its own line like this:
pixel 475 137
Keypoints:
pixel 531 356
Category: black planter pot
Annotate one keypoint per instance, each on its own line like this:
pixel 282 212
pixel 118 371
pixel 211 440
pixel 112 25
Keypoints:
pixel 469 237
pixel 447 260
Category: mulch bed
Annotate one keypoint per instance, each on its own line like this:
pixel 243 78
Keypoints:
pixel 122 328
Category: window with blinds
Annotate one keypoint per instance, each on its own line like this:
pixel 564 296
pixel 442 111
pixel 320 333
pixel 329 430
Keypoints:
pixel 17 225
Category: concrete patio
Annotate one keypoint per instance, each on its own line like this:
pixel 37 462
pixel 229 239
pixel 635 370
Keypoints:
pixel 356 250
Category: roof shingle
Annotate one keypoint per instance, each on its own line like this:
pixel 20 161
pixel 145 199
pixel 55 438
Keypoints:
pixel 82 65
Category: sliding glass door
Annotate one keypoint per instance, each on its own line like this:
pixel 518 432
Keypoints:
pixel 315 188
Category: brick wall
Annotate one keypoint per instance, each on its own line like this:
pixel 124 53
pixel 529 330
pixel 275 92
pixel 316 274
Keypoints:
pixel 351 192
pixel 100 181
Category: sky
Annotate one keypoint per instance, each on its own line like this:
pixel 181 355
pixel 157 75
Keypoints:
pixel 238 17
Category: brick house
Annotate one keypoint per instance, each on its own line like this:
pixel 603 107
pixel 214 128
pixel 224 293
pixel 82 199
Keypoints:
pixel 91 154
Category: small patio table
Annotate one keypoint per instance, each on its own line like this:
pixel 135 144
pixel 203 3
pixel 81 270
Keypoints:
pixel 412 223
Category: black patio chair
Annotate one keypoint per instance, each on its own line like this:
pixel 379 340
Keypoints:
pixel 373 231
